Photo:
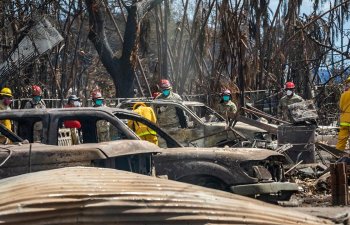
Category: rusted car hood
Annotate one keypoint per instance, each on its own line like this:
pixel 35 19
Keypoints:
pixel 82 195
pixel 237 154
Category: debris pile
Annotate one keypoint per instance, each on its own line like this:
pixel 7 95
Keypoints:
pixel 303 111
pixel 314 191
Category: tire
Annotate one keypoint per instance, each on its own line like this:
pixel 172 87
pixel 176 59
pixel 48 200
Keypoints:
pixel 205 181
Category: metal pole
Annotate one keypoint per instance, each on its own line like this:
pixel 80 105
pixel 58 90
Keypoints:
pixel 241 76
pixel 165 40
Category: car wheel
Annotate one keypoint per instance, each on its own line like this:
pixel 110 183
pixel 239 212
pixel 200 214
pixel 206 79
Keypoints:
pixel 205 181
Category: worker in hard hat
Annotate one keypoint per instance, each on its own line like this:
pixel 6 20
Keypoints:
pixel 36 103
pixel 97 99
pixel 144 132
pixel 169 116
pixel 5 102
pixel 103 126
pixel 73 125
pixel 290 98
pixel 227 108
pixel 167 92
pixel 344 122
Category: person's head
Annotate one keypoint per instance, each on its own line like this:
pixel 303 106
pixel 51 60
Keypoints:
pixel 6 96
pixel 289 88
pixel 226 95
pixel 74 101
pixel 165 87
pixel 97 98
pixel 36 93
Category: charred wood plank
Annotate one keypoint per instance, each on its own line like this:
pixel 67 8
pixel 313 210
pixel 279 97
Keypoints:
pixel 269 128
pixel 339 184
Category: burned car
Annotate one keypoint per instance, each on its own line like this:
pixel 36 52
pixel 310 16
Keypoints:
pixel 203 127
pixel 220 168
pixel 245 171
pixel 127 152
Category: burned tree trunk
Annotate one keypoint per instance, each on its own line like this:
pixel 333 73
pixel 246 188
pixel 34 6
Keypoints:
pixel 121 70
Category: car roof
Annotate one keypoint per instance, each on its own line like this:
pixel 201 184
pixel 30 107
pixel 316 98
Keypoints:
pixel 47 111
pixel 160 101
pixel 193 103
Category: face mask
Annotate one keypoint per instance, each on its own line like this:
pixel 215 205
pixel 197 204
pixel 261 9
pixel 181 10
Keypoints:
pixel 7 101
pixel 289 92
pixel 76 104
pixel 225 98
pixel 37 98
pixel 166 93
pixel 99 102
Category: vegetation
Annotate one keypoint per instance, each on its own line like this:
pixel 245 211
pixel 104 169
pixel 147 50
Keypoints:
pixel 200 45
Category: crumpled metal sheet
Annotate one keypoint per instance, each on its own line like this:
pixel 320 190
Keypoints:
pixel 84 195
pixel 41 38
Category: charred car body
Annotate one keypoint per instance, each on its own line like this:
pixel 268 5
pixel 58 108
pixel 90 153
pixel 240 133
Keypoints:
pixel 127 152
pixel 229 169
pixel 203 127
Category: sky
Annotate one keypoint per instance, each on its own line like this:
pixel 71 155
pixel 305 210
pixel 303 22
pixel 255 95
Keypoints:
pixel 307 8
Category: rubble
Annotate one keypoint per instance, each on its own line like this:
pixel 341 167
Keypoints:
pixel 303 111
pixel 312 193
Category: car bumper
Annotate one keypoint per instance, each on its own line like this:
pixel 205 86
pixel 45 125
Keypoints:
pixel 264 188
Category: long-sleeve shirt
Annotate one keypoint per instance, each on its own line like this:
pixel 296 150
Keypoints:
pixel 285 101
pixel 344 105
pixel 6 123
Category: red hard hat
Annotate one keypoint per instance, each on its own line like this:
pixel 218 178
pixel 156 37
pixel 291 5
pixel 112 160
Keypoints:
pixel 36 90
pixel 226 92
pixel 96 94
pixel 155 94
pixel 164 84
pixel 289 85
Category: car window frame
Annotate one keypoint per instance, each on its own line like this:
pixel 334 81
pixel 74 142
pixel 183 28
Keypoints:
pixel 171 142
pixel 99 115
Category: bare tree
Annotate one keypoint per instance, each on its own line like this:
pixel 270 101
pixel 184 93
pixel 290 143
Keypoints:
pixel 120 69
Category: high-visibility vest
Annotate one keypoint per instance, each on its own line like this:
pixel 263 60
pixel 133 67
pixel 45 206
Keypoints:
pixel 146 112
